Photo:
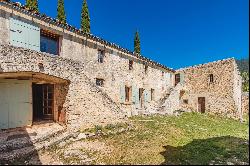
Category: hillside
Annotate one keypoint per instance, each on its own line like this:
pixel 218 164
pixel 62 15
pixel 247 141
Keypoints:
pixel 243 65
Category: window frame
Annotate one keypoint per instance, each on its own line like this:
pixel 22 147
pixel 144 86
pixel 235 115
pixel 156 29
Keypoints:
pixel 131 63
pixel 100 82
pixel 211 78
pixel 48 35
pixel 128 94
pixel 100 56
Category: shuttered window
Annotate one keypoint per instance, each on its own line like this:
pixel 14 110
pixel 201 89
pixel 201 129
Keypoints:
pixel 24 35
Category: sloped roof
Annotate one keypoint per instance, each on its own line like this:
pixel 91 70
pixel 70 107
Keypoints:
pixel 18 6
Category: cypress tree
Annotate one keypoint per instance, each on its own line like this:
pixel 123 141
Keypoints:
pixel 32 5
pixel 85 19
pixel 61 11
pixel 137 43
pixel 35 6
pixel 29 4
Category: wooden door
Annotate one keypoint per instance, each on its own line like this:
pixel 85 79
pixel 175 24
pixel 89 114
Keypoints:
pixel 15 103
pixel 48 101
pixel 201 104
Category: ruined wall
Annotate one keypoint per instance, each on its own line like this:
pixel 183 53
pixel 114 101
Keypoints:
pixel 219 95
pixel 86 105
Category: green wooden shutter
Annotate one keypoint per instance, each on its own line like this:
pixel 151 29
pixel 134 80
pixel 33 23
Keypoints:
pixel 134 94
pixel 34 38
pixel 24 35
pixel 137 101
pixel 122 93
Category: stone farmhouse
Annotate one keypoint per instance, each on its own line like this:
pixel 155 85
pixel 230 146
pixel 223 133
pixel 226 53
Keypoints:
pixel 53 71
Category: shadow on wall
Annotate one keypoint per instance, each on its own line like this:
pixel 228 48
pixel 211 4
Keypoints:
pixel 16 147
pixel 218 150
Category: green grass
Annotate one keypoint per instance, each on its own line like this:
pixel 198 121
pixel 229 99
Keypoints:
pixel 189 139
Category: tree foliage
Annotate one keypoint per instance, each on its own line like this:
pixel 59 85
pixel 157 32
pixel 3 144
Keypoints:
pixel 61 11
pixel 137 43
pixel 32 5
pixel 243 66
pixel 85 19
pixel 245 81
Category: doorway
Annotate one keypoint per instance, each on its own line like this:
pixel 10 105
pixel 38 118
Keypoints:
pixel 141 97
pixel 43 101
pixel 201 104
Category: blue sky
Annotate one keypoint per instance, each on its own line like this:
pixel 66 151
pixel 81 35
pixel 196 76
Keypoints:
pixel 176 33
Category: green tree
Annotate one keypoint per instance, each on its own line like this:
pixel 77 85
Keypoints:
pixel 137 43
pixel 32 5
pixel 245 81
pixel 85 19
pixel 61 11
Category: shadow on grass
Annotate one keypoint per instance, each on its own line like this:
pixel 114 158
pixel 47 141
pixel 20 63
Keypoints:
pixel 217 150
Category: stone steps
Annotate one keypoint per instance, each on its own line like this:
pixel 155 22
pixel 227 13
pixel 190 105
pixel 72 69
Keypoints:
pixel 21 148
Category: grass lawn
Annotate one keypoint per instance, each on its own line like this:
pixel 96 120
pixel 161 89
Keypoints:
pixel 189 139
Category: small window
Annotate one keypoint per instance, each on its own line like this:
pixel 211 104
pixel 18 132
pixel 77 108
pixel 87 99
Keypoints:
pixel 177 79
pixel 211 78
pixel 185 101
pixel 162 73
pixel 152 94
pixel 101 56
pixel 99 82
pixel 146 68
pixel 127 94
pixel 49 42
pixel 130 64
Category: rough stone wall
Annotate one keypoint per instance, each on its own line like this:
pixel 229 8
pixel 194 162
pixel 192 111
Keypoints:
pixel 115 70
pixel 245 102
pixel 4 27
pixel 86 105
pixel 220 95
pixel 237 91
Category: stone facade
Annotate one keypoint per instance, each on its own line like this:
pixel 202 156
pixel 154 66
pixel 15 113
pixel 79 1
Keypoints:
pixel 83 103
pixel 115 69
pixel 222 92
pixel 80 103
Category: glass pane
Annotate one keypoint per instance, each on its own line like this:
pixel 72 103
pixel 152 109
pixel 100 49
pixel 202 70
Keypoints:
pixel 49 110
pixel 49 45
pixel 50 103
pixel 45 103
pixel 50 96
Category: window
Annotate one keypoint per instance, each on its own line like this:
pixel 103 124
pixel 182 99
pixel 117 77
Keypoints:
pixel 211 78
pixel 130 64
pixel 100 56
pixel 177 79
pixel 99 82
pixel 127 94
pixel 185 101
pixel 146 68
pixel 49 42
pixel 152 94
